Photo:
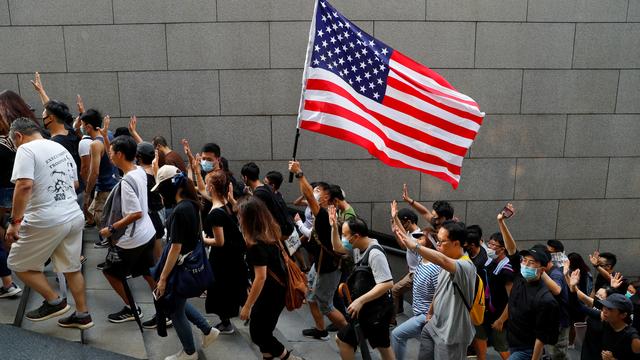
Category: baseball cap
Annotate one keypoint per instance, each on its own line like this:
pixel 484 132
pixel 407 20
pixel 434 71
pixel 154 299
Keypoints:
pixel 166 172
pixel 539 253
pixel 146 149
pixel 407 214
pixel 618 301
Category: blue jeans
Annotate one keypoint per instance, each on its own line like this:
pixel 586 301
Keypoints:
pixel 181 316
pixel 410 329
pixel 521 354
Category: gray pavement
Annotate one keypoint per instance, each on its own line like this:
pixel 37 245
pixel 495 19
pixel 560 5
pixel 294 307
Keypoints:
pixel 125 340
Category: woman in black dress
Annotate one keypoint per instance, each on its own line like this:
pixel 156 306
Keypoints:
pixel 267 295
pixel 229 290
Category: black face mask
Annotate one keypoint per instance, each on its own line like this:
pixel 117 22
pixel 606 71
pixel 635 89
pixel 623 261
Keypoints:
pixel 168 194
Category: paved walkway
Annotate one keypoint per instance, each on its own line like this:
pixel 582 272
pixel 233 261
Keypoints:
pixel 126 339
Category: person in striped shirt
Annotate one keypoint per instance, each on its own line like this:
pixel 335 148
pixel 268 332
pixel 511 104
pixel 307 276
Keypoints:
pixel 425 280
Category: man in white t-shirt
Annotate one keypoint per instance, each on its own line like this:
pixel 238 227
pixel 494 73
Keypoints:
pixel 135 246
pixel 46 222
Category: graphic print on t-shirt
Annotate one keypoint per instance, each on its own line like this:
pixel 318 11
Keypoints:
pixel 61 166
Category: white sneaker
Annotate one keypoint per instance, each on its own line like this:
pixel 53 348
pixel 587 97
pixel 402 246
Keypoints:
pixel 209 339
pixel 12 290
pixel 183 356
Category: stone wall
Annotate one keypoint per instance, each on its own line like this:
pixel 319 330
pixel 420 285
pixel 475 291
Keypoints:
pixel 558 79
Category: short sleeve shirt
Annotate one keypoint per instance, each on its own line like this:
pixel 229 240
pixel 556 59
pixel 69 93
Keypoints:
pixel 53 171
pixel 133 201
pixel 183 226
pixel 451 321
pixel 377 261
pixel 264 254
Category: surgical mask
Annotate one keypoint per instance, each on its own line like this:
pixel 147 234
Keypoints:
pixel 628 295
pixel 492 254
pixel 317 196
pixel 83 131
pixel 558 259
pixel 206 165
pixel 528 273
pixel 347 245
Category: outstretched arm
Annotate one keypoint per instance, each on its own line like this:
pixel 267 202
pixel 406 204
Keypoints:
pixel 305 187
pixel 426 214
pixel 37 84
pixel 430 255
pixel 133 129
pixel 509 242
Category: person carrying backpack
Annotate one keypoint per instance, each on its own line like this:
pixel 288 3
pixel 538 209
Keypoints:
pixel 450 329
pixel 370 286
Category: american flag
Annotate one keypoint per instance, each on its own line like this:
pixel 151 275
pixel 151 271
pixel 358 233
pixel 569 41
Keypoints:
pixel 358 89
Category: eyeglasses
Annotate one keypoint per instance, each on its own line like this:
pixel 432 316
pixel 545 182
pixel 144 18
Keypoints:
pixel 440 243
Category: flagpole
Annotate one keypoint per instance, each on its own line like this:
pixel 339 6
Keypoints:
pixel 307 62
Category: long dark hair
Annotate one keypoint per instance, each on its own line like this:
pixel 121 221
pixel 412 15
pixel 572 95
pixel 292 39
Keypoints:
pixel 256 222
pixel 12 106
pixel 577 262
pixel 187 190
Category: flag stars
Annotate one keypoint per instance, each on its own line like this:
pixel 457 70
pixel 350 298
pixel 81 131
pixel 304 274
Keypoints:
pixel 380 82
pixel 371 86
pixel 382 67
pixel 371 43
pixel 330 66
pixel 323 58
pixel 324 43
pixel 316 48
pixel 333 40
pixel 362 89
pixel 367 75
pixel 349 58
pixel 344 48
pixel 316 62
pixel 354 68
pixel 340 37
pixel 375 71
pixel 385 51
pixel 320 33
pixel 337 51
pixel 335 27
pixel 376 96
pixel 364 52
pixel 346 34
pixel 324 18
pixel 359 33
pixel 328 29
pixel 330 53
pixel 323 4
pixel 341 61
pixel 363 65
pixel 358 78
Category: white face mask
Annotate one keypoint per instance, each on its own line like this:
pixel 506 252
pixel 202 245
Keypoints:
pixel 316 196
pixel 492 254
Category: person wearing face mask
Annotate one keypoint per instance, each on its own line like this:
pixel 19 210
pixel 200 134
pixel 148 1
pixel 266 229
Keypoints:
pixel 325 260
pixel 533 311
pixel 499 275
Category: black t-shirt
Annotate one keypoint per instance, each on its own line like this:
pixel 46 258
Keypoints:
pixel 266 194
pixel 234 244
pixel 7 157
pixel 498 293
pixel 71 142
pixel 322 231
pixel 600 336
pixel 154 198
pixel 533 311
pixel 183 226
pixel 480 259
pixel 269 255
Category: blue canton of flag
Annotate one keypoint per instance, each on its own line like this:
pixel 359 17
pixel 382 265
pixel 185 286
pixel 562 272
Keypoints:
pixel 344 49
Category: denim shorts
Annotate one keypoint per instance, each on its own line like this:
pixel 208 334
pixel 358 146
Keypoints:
pixel 322 291
pixel 6 198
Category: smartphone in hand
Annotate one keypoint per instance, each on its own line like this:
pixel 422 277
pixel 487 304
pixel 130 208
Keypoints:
pixel 507 212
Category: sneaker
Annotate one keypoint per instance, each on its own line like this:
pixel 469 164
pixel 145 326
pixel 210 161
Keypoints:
pixel 209 339
pixel 12 290
pixel 332 328
pixel 74 321
pixel 225 329
pixel 316 334
pixel 104 243
pixel 290 356
pixel 152 323
pixel 182 356
pixel 47 311
pixel 101 266
pixel 124 315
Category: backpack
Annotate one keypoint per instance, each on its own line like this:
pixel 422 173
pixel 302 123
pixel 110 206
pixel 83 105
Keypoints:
pixel 113 210
pixel 296 282
pixel 477 308
pixel 279 211
pixel 360 282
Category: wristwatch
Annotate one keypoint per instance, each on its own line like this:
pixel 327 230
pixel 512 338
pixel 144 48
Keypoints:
pixel 299 174
pixel 15 221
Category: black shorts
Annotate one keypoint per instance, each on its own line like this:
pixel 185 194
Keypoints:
pixel 377 334
pixel 134 262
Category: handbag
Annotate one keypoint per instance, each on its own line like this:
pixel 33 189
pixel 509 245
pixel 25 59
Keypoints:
pixel 192 274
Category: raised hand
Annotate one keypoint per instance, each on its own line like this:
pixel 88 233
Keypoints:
pixel 154 163
pixel 394 209
pixel 133 124
pixel 297 217
pixel 187 150
pixel 405 193
pixel 594 258
pixel 104 130
pixel 294 166
pixel 333 215
pixel 403 237
pixel 566 267
pixel 502 216
pixel 616 280
pixel 37 83
pixel 574 279
pixel 80 104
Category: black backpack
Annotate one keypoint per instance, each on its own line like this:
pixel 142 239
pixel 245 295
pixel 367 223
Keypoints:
pixel 278 210
pixel 360 282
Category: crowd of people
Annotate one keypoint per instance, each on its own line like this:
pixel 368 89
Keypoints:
pixel 155 213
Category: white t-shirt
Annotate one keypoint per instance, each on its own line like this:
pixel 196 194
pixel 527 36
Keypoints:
pixel 413 258
pixel 53 171
pixel 132 203
pixel 377 261
pixel 85 146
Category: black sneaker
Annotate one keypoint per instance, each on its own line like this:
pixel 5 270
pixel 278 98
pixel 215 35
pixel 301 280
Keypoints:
pixel 316 334
pixel 101 266
pixel 104 243
pixel 225 329
pixel 47 311
pixel 332 328
pixel 12 290
pixel 74 321
pixel 152 323
pixel 124 315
